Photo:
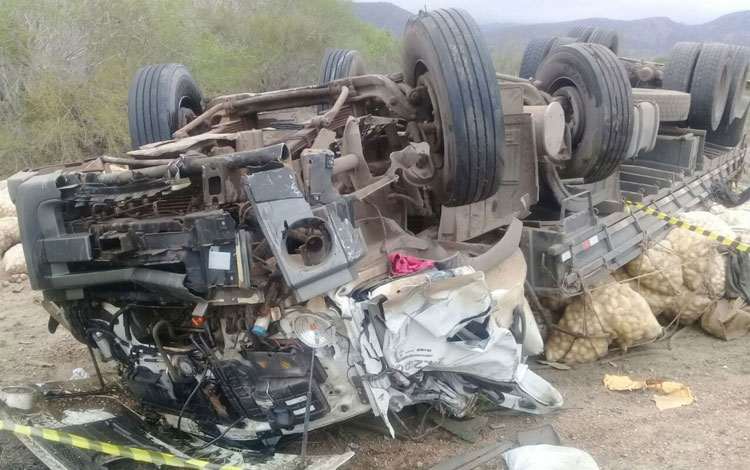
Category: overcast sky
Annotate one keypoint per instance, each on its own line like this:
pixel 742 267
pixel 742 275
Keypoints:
pixel 543 11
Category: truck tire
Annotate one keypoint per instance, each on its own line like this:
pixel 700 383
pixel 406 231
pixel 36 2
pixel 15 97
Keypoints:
pixel 606 37
pixel 680 66
pixel 738 78
pixel 730 135
pixel 580 32
pixel 162 99
pixel 536 50
pixel 563 41
pixel 339 63
pixel 709 88
pixel 674 106
pixel 444 51
pixel 596 94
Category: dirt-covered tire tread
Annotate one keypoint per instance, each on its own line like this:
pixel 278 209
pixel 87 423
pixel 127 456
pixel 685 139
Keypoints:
pixel 730 135
pixel 581 32
pixel 153 101
pixel 331 60
pixel 536 50
pixel 710 86
pixel 738 80
pixel 606 37
pixel 471 101
pixel 618 138
pixel 479 102
pixel 564 41
pixel 605 146
pixel 336 64
pixel 680 66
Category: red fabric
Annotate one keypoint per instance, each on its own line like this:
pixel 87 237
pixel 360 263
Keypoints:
pixel 402 264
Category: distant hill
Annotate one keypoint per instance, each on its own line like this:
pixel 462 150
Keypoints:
pixel 384 15
pixel 646 38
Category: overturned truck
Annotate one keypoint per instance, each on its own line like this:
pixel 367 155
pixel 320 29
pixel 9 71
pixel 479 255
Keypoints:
pixel 369 238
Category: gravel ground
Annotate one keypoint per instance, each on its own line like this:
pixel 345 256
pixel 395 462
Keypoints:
pixel 622 430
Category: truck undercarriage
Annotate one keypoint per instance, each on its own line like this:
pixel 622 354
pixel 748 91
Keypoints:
pixel 209 261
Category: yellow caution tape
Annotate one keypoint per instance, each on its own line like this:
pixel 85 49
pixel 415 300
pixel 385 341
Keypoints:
pixel 133 453
pixel 730 242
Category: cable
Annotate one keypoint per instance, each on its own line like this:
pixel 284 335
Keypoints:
pixel 348 350
pixel 114 319
pixel 422 435
pixel 220 435
pixel 214 364
pixel 187 402
pixel 157 341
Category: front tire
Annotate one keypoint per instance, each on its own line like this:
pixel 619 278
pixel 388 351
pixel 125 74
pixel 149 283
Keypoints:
pixel 162 99
pixel 339 63
pixel 446 55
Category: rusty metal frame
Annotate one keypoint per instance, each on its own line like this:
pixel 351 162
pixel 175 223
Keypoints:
pixel 383 88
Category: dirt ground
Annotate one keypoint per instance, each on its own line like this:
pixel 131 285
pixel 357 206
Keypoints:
pixel 622 430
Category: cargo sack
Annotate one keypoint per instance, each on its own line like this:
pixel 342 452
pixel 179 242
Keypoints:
pixel 610 312
pixel 14 260
pixel 7 208
pixel 9 234
pixel 727 319
pixel 658 268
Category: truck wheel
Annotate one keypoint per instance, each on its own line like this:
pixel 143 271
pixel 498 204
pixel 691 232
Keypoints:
pixel 680 66
pixel 581 32
pixel 339 63
pixel 730 135
pixel 709 88
pixel 592 86
pixel 674 106
pixel 738 76
pixel 563 41
pixel 606 37
pixel 162 99
pixel 536 50
pixel 445 56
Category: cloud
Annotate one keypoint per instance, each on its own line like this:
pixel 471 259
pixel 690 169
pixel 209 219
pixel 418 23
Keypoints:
pixel 544 11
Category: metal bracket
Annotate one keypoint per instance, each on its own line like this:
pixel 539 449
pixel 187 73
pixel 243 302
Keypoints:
pixel 214 184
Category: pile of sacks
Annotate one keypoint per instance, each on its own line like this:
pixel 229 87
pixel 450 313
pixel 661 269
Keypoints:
pixel 682 277
pixel 736 218
pixel 14 262
pixel 685 274
pixel 610 312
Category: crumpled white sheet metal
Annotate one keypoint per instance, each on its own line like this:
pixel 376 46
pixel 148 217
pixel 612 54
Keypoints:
pixel 368 365
pixel 426 318
pixel 421 322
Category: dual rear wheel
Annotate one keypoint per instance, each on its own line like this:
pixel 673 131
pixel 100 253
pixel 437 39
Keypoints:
pixel 715 76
